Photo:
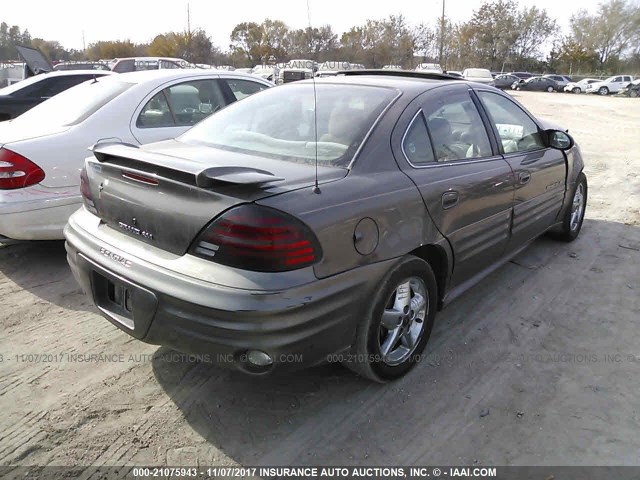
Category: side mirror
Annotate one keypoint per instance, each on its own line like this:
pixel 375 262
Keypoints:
pixel 559 140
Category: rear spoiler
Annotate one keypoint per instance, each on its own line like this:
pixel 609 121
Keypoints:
pixel 179 169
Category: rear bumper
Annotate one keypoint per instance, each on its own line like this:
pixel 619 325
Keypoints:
pixel 298 326
pixel 37 213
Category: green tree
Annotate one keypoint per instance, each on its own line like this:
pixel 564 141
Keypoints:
pixel 609 33
pixel 110 49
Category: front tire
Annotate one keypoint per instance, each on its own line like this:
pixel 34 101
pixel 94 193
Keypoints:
pixel 574 217
pixel 633 93
pixel 392 336
pixel 550 89
pixel 603 91
pixel 576 90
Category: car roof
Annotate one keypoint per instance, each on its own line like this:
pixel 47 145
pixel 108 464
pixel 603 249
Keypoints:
pixel 176 73
pixel 401 81
pixel 66 73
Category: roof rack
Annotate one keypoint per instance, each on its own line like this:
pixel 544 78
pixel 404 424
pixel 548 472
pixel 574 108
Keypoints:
pixel 400 73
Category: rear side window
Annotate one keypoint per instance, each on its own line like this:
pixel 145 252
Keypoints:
pixel 243 88
pixel 517 131
pixel 184 104
pixel 456 129
pixel 416 144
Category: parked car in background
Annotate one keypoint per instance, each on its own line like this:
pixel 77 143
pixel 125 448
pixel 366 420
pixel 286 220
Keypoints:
pixel 561 80
pixel 268 72
pixel 581 86
pixel 611 85
pixel 537 84
pixel 268 265
pixel 505 80
pixel 334 66
pixel 26 94
pixel 392 67
pixel 429 67
pixel 479 75
pixel 136 64
pixel 522 75
pixel 81 66
pixel 290 74
pixel 632 90
pixel 42 150
pixel 453 73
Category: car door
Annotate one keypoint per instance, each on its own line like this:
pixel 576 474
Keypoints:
pixel 467 187
pixel 171 110
pixel 540 172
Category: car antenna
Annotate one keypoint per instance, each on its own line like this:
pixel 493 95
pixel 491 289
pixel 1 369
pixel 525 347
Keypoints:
pixel 316 188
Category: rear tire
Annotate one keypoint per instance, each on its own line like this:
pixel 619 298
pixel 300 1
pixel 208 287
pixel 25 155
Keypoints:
pixel 574 217
pixel 392 336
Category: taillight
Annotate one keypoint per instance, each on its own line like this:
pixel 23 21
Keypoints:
pixel 17 171
pixel 85 191
pixel 259 239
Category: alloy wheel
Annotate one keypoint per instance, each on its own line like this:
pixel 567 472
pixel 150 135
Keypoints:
pixel 403 321
pixel 577 208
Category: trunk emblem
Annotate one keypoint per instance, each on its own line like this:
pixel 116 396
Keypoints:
pixel 115 257
pixel 135 230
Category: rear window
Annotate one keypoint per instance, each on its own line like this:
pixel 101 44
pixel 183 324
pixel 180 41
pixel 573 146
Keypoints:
pixel 281 122
pixel 76 104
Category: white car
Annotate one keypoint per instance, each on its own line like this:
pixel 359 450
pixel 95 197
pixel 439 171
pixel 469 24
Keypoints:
pixel 43 150
pixel 581 86
pixel 478 75
pixel 429 67
pixel 610 85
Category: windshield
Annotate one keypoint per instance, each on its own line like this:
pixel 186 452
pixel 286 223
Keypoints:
pixel 76 104
pixel 279 122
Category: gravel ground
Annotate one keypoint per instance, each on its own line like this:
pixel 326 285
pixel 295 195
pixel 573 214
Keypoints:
pixel 537 365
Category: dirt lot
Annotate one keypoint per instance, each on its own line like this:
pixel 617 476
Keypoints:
pixel 539 364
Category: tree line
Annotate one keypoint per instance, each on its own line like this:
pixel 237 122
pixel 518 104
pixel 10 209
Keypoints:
pixel 499 35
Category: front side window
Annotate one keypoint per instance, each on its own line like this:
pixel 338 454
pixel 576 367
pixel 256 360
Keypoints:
pixel 281 123
pixel 456 129
pixel 517 131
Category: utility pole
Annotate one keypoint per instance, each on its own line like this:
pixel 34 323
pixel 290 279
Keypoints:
pixel 84 45
pixel 441 35
pixel 188 33
pixel 188 19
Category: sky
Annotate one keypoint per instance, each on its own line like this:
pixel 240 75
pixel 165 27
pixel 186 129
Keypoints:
pixel 140 20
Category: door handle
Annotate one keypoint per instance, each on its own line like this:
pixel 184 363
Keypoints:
pixel 524 178
pixel 449 200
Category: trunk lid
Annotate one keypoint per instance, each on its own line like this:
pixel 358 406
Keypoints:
pixel 13 131
pixel 35 60
pixel 164 194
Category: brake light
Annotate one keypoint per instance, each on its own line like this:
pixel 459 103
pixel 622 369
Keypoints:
pixel 259 239
pixel 17 171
